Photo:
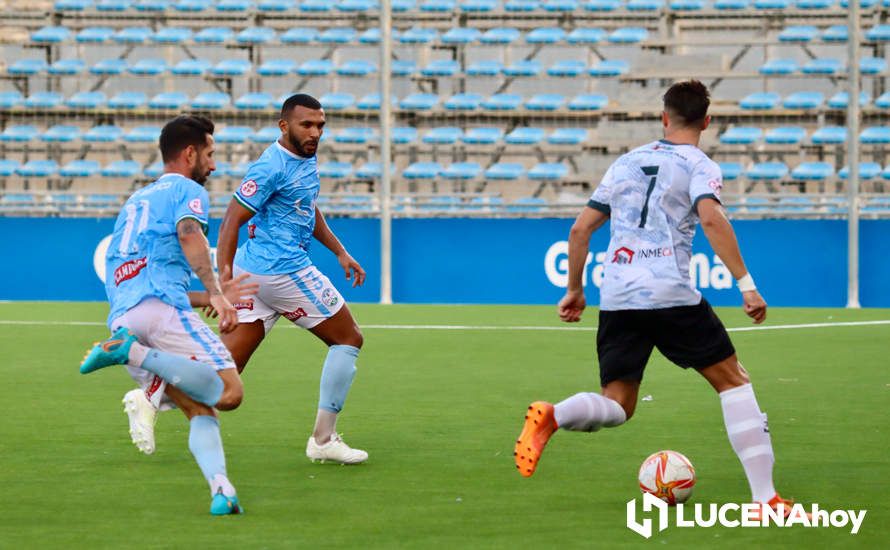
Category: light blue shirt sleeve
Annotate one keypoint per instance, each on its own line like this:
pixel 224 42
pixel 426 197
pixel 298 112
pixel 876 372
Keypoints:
pixel 259 184
pixel 192 201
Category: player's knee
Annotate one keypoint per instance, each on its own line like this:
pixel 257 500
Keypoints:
pixel 357 339
pixel 629 409
pixel 231 397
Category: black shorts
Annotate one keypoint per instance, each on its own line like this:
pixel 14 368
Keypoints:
pixel 690 336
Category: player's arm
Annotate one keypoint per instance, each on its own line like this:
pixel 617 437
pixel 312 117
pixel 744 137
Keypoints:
pixel 325 236
pixel 197 252
pixel 573 303
pixel 235 290
pixel 236 216
pixel 720 234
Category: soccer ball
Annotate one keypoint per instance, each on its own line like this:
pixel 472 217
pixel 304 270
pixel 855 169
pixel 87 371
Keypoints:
pixel 668 475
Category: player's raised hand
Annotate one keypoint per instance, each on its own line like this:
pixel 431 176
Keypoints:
pixel 228 315
pixel 754 306
pixel 572 306
pixel 352 268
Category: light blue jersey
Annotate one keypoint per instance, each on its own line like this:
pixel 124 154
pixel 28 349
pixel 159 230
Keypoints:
pixel 280 188
pixel 144 258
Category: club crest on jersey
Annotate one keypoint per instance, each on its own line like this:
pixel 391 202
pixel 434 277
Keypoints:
pixel 195 206
pixel 329 297
pixel 716 185
pixel 623 255
pixel 249 188
pixel 128 270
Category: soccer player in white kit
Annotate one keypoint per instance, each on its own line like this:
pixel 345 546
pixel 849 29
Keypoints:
pixel 654 195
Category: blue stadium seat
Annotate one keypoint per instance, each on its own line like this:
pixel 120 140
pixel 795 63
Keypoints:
pixel 502 102
pixel 835 33
pixel 521 6
pixel 878 33
pixel 687 5
pixel 113 5
pixel 799 33
pixel 441 67
pixel 132 35
pixel 231 67
pixel 504 171
pixel 872 65
pixel 73 5
pixel 168 100
pixel 19 133
pixel 874 135
pixel 772 4
pixel 785 135
pixel 79 169
pixel 422 170
pixel 545 102
pixel 545 35
pixel 237 170
pixel 524 136
pixel 559 6
pixel 266 134
pixel 437 6
pixel 371 170
pixel 730 170
pixel 357 67
pixel 523 67
pixel 103 134
pixel 586 35
pixel 191 67
pixel 51 35
pixel 121 169
pixel 500 35
pixel 741 135
pixel 94 35
pixel 482 136
pixel 214 35
pixel 110 67
pixel 316 6
pixel 255 35
pixel 171 35
pixel 779 67
pixel 829 135
pixel 865 4
pixel 359 134
pixel 276 5
pixel 840 100
pixel 867 171
pixel 883 101
pixel 44 100
pixel 371 102
pixel 337 35
pixel 60 133
pixel 486 67
pixel 419 102
pixel 628 35
pixel 418 35
pixel 486 203
pixel 548 171
pixel 804 100
pixel 644 5
pixel 462 171
pixel 356 6
pixel 477 6
pixel 233 134
pixel 403 135
pixel 812 171
pixel 8 167
pixel 334 170
pixel 148 67
pixel 316 67
pixel 401 6
pixel 602 5
pixel 38 169
pixel 27 67
pixel 277 67
pixel 403 67
pixel 192 5
pixel 588 102
pixel 814 4
pixel 370 36
pixel 9 100
pixel 567 136
pixel 768 171
pixel 760 101
pixel 464 102
pixel 823 65
pixel 567 68
pixel 151 5
pixel 443 135
pixel 609 67
pixel 337 101
pixel 128 100
pixel 254 101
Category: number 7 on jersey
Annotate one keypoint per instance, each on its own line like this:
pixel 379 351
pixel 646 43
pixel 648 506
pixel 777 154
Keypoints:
pixel 653 172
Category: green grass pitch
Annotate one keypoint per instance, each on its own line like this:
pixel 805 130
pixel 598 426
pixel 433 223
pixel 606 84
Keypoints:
pixel 438 410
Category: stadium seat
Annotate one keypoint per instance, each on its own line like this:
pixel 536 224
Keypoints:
pixel 151 5
pixel 370 36
pixel 171 35
pixel 276 5
pixel 372 170
pixel 785 135
pixel 567 136
pixel 504 171
pixel 67 67
pixel 878 33
pixel 731 170
pixel 524 136
pixel 94 35
pixel 356 6
pixel 38 169
pixel 567 68
pixel 779 67
pixel 403 67
pixel 27 67
pixel 8 167
pixel 527 205
pixel 336 101
pixel 371 102
pixel 545 102
pixel 10 99
pixel 521 6
pixel 128 100
pixel 840 100
pixel 823 65
pixel 814 4
pixel 422 170
pixel 835 33
pixel 829 135
pixel 559 6
pixel 419 102
pixel 254 101
pixel 73 5
pixel 464 102
pixel 266 134
pixel 444 135
pixel 337 35
pixel 110 67
pixel 401 6
pixel 872 65
pixel 79 169
pixel 482 136
pixel 168 100
pixel 462 171
pixel 237 170
pixel 334 170
pixel 255 35
pixel 767 171
pixel 523 67
pixel 51 35
pixel 601 5
pixel 799 33
pixel 804 100
pixel 143 134
pixel 60 133
pixel 500 35
pixel 43 100
pixel 867 171
pixel 875 135
pixel 192 5
pixel 360 134
pixel 191 67
pixel 812 171
pixel 610 67
pixel 588 102
pixel 461 35
pixel 418 35
pixel 132 35
pixel 316 6
pixel 485 68
pixel 741 135
pixel 586 35
pixel 316 67
pixel 113 5
pixel 644 5
pixel 628 35
pixel 102 134
pixel 233 134
pixel 441 67
pixel 545 35
pixel 121 169
pixel 231 67
pixel 760 101
pixel 687 5
pixel 214 35
pixel 548 171
pixel 19 133
pixel 883 101
pixel 771 4
pixel 403 135
pixel 148 67
pixel 502 102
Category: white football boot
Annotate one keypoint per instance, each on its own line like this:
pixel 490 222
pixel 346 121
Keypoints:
pixel 142 415
pixel 336 450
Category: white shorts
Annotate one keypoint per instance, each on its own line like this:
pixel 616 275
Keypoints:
pixel 163 327
pixel 306 298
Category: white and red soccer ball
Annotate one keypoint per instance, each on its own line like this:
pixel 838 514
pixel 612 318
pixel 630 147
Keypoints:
pixel 668 475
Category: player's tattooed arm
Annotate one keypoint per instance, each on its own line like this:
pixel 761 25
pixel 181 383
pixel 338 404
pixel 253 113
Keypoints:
pixel 197 252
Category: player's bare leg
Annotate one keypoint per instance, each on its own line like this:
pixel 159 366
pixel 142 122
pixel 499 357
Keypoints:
pixel 586 412
pixel 243 341
pixel 344 339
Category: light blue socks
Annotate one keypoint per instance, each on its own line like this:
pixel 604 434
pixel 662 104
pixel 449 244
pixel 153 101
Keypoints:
pixel 336 377
pixel 205 443
pixel 198 380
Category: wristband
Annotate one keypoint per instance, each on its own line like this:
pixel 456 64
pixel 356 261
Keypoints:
pixel 746 283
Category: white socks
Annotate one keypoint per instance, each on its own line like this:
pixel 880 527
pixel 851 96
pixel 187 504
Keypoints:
pixel 749 435
pixel 325 424
pixel 219 481
pixel 588 412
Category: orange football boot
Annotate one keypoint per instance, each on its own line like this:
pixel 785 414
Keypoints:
pixel 539 426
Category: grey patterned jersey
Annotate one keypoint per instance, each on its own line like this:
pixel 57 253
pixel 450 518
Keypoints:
pixel 650 194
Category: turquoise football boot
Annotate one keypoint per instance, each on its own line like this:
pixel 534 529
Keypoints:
pixel 113 351
pixel 221 505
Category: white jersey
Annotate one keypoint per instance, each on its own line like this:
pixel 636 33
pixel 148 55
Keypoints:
pixel 650 194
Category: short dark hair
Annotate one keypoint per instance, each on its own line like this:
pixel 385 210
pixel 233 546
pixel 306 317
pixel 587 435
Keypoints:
pixel 687 101
pixel 299 100
pixel 181 132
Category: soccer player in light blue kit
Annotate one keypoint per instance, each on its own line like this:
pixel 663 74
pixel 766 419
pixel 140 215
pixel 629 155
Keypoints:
pixel 278 201
pixel 158 241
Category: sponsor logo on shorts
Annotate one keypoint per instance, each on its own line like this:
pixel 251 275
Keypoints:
pixel 156 382
pixel 329 297
pixel 128 270
pixel 195 206
pixel 246 304
pixel 623 255
pixel 249 188
pixel 294 315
